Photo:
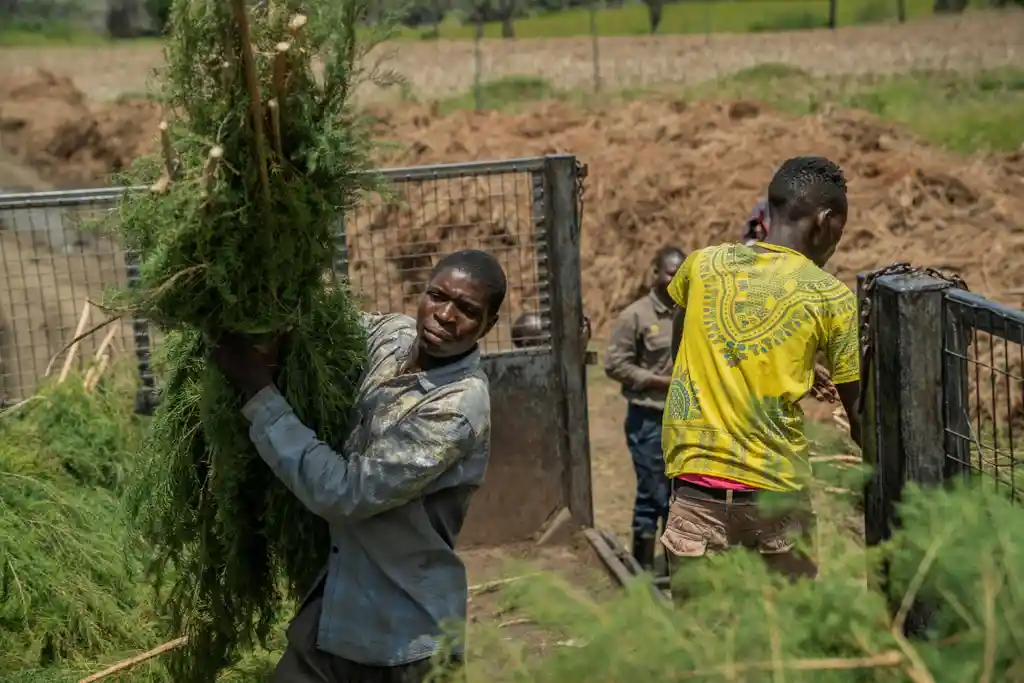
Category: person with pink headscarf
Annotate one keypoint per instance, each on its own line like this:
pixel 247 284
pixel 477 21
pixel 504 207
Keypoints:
pixel 756 227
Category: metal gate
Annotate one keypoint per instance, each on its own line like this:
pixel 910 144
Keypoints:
pixel 524 211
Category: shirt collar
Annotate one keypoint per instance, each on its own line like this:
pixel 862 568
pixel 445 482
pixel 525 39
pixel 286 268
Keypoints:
pixel 445 374
pixel 780 249
pixel 659 305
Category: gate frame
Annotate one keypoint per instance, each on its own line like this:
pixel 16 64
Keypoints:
pixel 915 423
pixel 555 213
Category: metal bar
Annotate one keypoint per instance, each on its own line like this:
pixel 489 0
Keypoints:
pixel 472 168
pixel 955 392
pixel 1009 324
pixel 340 266
pixel 538 217
pixel 145 396
pixel 58 198
pixel 563 232
pixel 26 200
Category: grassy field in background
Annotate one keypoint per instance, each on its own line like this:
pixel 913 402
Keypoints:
pixel 698 16
pixel 686 17
pixel 979 112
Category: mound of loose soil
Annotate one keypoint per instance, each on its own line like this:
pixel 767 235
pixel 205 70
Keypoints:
pixel 661 171
pixel 46 122
pixel 664 171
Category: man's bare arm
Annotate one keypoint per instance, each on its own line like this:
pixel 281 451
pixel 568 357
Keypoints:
pixel 849 394
pixel 677 331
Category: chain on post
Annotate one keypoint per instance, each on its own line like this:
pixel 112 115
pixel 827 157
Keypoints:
pixel 581 188
pixel 898 268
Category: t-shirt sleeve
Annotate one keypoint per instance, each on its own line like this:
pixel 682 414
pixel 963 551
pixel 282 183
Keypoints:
pixel 842 349
pixel 679 288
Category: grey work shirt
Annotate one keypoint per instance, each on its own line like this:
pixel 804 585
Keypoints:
pixel 640 348
pixel 395 497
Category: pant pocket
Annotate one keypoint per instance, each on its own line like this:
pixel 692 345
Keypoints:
pixel 683 543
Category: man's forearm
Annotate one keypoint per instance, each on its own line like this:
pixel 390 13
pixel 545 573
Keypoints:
pixel 677 331
pixel 629 374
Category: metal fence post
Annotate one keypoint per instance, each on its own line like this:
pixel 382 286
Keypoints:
pixel 563 234
pixel 145 395
pixel 339 269
pixel 903 422
pixel 539 219
pixel 955 394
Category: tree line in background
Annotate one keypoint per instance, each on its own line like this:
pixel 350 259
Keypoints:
pixel 137 18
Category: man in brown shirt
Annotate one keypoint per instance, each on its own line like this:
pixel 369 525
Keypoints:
pixel 639 357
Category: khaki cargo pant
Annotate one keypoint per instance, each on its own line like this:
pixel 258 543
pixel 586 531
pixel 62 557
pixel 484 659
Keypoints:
pixel 303 662
pixel 705 521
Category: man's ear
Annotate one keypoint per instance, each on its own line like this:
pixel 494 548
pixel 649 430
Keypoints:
pixel 488 326
pixel 821 228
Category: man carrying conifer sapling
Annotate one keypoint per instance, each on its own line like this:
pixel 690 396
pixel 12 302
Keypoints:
pixel 397 494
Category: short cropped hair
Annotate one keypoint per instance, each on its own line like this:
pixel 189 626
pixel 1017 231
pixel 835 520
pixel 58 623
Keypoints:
pixel 665 253
pixel 528 330
pixel 803 186
pixel 483 268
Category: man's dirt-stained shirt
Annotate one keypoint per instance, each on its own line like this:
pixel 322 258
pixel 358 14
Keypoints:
pixel 641 348
pixel 395 497
pixel 754 321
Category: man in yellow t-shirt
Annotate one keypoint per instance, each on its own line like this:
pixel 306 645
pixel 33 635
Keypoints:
pixel 750 321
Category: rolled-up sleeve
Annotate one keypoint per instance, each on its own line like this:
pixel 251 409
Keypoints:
pixel 620 361
pixel 395 468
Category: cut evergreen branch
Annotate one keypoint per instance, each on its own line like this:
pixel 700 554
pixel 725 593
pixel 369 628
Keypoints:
pixel 237 236
pixel 67 588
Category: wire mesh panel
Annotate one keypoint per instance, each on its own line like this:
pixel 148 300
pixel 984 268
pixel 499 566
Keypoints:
pixel 525 212
pixel 984 390
pixel 52 265
pixel 393 242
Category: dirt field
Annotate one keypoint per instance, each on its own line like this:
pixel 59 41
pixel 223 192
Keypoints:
pixel 442 69
pixel 661 170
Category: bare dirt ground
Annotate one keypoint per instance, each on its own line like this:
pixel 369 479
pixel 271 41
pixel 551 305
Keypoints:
pixel 445 68
pixel 613 491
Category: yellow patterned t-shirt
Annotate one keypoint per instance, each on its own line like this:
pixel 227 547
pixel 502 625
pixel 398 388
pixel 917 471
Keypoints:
pixel 755 317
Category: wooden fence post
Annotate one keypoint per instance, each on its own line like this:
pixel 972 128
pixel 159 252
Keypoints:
pixel 903 425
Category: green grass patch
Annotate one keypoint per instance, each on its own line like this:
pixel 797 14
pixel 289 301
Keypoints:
pixel 699 16
pixel 966 113
pixel 15 33
pixel 505 93
pixel 690 17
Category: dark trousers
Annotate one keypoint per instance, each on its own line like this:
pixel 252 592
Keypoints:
pixel 303 662
pixel 643 436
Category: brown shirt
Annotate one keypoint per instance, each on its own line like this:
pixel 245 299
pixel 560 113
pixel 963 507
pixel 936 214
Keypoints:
pixel 640 349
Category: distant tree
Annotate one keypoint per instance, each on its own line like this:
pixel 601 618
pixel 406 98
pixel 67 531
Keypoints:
pixel 123 18
pixel 505 11
pixel 159 11
pixel 654 8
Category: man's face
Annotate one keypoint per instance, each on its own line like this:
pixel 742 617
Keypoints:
pixel 665 271
pixel 452 314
